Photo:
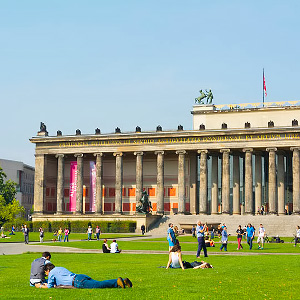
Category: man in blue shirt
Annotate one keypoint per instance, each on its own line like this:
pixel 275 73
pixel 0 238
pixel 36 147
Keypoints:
pixel 200 229
pixel 61 277
pixel 250 235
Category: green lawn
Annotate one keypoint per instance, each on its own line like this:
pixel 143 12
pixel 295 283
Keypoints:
pixel 186 246
pixel 34 236
pixel 233 277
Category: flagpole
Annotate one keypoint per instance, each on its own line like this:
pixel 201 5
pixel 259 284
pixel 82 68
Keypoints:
pixel 263 88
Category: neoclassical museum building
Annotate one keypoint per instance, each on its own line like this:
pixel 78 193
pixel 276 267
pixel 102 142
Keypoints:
pixel 237 159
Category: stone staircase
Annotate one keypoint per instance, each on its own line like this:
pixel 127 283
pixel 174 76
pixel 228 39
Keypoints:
pixel 283 226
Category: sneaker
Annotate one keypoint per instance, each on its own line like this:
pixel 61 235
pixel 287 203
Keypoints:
pixel 127 282
pixel 120 283
pixel 237 249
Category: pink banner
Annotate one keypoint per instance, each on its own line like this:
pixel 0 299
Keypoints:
pixel 92 185
pixel 73 184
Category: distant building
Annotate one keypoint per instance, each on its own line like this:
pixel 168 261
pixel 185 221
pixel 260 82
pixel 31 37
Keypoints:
pixel 23 175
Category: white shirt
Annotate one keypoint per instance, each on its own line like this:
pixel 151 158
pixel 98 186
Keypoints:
pixel 298 233
pixel 90 230
pixel 114 247
pixel 175 260
pixel 261 232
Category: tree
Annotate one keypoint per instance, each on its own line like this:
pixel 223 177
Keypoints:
pixel 8 212
pixel 9 206
pixel 8 189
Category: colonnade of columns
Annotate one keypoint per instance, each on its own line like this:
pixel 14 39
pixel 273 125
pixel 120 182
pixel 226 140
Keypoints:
pixel 276 181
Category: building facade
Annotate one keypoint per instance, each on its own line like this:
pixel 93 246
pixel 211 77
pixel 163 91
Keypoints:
pixel 23 175
pixel 236 159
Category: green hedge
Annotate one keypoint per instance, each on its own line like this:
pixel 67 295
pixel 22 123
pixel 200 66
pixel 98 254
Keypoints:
pixel 74 226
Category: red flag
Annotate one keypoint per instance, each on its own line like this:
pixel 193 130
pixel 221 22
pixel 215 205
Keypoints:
pixel 265 87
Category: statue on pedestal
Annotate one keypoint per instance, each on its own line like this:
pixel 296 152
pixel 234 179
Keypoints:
pixel 145 207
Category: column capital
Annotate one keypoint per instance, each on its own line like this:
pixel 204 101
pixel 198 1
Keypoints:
pixel 202 151
pixel 271 149
pixel 159 152
pixel 181 152
pixel 295 149
pixel 138 153
pixel 248 150
pixel 98 154
pixel 78 155
pixel 224 150
pixel 59 155
pixel 118 153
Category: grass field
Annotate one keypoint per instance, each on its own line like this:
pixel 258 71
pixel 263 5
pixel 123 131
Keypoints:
pixel 233 277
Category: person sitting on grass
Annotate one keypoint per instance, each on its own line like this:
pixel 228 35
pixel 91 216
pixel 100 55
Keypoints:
pixel 114 248
pixel 105 247
pixel 37 273
pixel 60 277
pixel 175 261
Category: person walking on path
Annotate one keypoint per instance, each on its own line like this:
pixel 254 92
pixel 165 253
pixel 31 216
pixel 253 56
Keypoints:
pixel 200 230
pixel 224 239
pixel 66 238
pixel 297 237
pixel 171 236
pixel 90 232
pixel 250 235
pixel 261 236
pixel 59 276
pixel 26 234
pixel 194 231
pixel 239 234
pixel 59 234
pixel 143 229
pixel 41 230
pixel 98 232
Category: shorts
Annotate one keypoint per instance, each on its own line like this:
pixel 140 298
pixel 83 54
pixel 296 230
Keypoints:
pixel 171 244
pixel 260 239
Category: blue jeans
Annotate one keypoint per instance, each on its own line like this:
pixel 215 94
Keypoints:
pixel 201 245
pixel 224 246
pixel 249 241
pixel 66 238
pixel 89 236
pixel 85 282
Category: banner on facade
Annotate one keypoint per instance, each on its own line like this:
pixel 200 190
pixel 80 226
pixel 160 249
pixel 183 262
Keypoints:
pixel 73 185
pixel 92 186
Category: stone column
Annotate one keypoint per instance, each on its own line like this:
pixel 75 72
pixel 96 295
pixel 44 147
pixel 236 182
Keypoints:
pixel 39 183
pixel 181 181
pixel 203 182
pixel 119 182
pixel 248 181
pixel 79 183
pixel 99 183
pixel 139 176
pixel 296 180
pixel 272 180
pixel 258 181
pixel 160 182
pixel 236 210
pixel 60 183
pixel 225 181
pixel 214 185
pixel 280 182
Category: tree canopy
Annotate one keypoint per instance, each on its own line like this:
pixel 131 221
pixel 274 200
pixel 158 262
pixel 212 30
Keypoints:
pixel 9 206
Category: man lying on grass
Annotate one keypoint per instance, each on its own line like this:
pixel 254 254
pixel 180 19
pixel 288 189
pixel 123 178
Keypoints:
pixel 60 277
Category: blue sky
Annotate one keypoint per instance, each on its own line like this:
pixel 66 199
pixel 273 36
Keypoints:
pixel 88 64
